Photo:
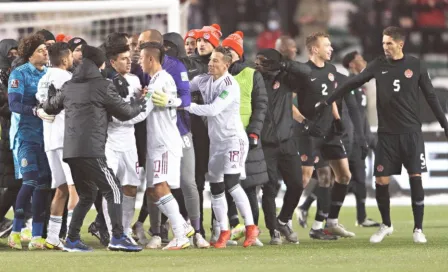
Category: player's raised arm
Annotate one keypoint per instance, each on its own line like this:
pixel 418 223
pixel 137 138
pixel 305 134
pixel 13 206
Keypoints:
pixel 222 101
pixel 425 84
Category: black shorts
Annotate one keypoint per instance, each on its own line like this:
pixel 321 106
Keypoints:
pixel 318 151
pixel 395 150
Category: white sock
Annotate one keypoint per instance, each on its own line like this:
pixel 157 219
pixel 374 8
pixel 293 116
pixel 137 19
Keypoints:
pixel 171 210
pixel 54 227
pixel 317 225
pixel 242 203
pixel 219 205
pixel 128 213
pixel 69 218
pixel 332 221
pixel 107 217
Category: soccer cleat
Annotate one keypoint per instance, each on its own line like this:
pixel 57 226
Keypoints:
pixel 258 243
pixel 189 231
pixel 76 246
pixel 276 238
pixel 237 232
pixel 382 232
pixel 14 241
pixel 251 235
pixel 290 235
pixel 154 243
pixel 367 223
pixel 302 217
pixel 223 238
pixel 419 237
pixel 139 232
pixel 215 233
pixel 36 243
pixel 339 230
pixel 320 234
pixel 123 244
pixel 177 244
pixel 164 229
pixel 200 242
pixel 5 227
pixel 25 235
pixel 58 246
pixel 131 239
pixel 100 233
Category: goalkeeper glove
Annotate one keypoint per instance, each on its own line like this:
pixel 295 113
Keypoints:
pixel 161 99
pixel 44 116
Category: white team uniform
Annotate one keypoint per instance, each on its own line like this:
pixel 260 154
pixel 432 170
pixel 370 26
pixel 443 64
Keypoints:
pixel 54 132
pixel 228 139
pixel 164 142
pixel 121 149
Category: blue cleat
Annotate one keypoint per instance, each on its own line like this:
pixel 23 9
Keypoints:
pixel 123 244
pixel 76 246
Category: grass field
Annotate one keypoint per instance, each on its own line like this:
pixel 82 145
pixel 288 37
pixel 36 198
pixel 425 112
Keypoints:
pixel 396 253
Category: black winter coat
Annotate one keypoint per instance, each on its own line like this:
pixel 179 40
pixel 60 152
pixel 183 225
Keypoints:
pixel 89 101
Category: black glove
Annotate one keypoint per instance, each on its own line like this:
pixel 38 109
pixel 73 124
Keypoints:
pixel 141 103
pixel 338 127
pixel 253 141
pixel 273 65
pixel 121 84
pixel 305 125
pixel 52 90
pixel 315 129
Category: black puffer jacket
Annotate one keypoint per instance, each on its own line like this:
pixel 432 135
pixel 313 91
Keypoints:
pixel 256 169
pixel 89 101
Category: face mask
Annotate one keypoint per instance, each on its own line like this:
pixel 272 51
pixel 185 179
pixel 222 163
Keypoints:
pixel 273 25
pixel 11 59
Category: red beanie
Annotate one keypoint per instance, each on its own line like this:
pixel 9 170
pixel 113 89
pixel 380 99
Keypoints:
pixel 235 42
pixel 60 37
pixel 211 34
pixel 194 33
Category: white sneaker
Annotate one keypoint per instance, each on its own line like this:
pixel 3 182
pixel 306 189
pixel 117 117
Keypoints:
pixel 154 243
pixel 177 243
pixel 258 243
pixel 139 232
pixel 200 242
pixel 419 237
pixel 383 231
pixel 339 230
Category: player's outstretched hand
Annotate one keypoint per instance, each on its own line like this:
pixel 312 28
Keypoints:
pixel 161 99
pixel 338 127
pixel 141 103
pixel 121 84
pixel 273 65
pixel 253 141
pixel 44 116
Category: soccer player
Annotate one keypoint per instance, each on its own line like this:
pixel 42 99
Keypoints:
pixel 400 141
pixel 164 143
pixel 323 147
pixel 190 41
pixel 62 61
pixel 27 143
pixel 228 142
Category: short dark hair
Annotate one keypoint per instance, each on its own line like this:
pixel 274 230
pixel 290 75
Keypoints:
pixel 312 39
pixel 397 33
pixel 57 52
pixel 227 55
pixel 155 49
pixel 349 58
pixel 117 38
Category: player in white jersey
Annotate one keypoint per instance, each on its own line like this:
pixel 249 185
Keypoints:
pixel 62 61
pixel 121 150
pixel 228 142
pixel 164 143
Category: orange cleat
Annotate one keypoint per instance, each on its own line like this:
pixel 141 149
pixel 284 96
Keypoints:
pixel 251 235
pixel 223 238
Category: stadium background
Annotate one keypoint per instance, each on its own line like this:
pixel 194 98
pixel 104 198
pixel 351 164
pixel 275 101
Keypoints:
pixel 352 24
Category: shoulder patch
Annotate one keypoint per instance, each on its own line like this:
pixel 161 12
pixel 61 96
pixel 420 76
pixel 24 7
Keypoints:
pixel 15 83
pixel 224 94
pixel 184 76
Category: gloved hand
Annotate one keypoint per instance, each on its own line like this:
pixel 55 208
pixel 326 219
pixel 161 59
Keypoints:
pixel 52 90
pixel 316 130
pixel 141 103
pixel 253 141
pixel 44 116
pixel 306 125
pixel 338 127
pixel 161 99
pixel 121 84
pixel 273 65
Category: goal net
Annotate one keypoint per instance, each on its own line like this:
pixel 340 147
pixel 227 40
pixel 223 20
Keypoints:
pixel 91 20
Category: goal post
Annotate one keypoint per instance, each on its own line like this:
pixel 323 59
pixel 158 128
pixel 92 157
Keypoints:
pixel 91 20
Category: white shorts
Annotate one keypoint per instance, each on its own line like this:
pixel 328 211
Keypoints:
pixel 227 158
pixel 125 166
pixel 60 171
pixel 161 167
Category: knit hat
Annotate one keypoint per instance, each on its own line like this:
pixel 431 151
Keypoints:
pixel 211 33
pixel 270 54
pixel 60 37
pixel 28 45
pixel 194 33
pixel 94 54
pixel 74 42
pixel 235 42
pixel 46 34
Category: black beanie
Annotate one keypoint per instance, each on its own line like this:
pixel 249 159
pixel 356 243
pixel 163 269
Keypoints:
pixel 46 34
pixel 270 54
pixel 31 44
pixel 73 43
pixel 94 54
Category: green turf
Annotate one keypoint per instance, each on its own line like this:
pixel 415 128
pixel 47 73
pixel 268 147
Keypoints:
pixel 396 253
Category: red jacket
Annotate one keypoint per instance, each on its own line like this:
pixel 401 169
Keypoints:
pixel 431 16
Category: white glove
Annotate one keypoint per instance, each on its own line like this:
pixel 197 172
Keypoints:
pixel 44 116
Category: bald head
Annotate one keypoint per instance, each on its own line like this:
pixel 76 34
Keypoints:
pixel 287 47
pixel 150 35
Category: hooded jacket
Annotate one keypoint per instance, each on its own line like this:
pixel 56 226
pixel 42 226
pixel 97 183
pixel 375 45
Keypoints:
pixel 89 101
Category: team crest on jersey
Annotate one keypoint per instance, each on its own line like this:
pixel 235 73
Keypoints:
pixel 304 158
pixel 408 73
pixel 206 36
pixel 24 163
pixel 276 85
pixel 15 83
pixel 330 76
pixel 380 168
